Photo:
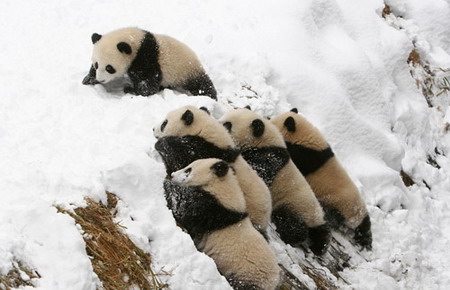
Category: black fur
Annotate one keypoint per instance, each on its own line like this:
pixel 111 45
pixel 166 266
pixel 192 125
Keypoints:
pixel 95 37
pixel 228 126
pixel 90 78
pixel 237 284
pixel 198 211
pixel 363 234
pixel 291 227
pixel 220 168
pixel 289 123
pixel 179 151
pixel 205 109
pixel 145 71
pixel 333 217
pixel 201 85
pixel 258 127
pixel 124 47
pixel 187 117
pixel 266 161
pixel 319 237
pixel 306 159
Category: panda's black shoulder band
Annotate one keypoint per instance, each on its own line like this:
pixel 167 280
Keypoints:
pixel 145 68
pixel 179 151
pixel 198 211
pixel 308 160
pixel 266 161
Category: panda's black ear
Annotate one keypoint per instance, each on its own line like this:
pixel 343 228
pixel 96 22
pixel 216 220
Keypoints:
pixel 248 107
pixel 187 117
pixel 294 110
pixel 289 123
pixel 258 127
pixel 220 168
pixel 228 126
pixel 205 109
pixel 95 37
pixel 124 47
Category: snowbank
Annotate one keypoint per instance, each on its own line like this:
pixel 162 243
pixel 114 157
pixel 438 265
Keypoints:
pixel 339 62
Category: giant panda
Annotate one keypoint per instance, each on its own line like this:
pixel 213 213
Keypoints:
pixel 333 187
pixel 212 209
pixel 152 62
pixel 190 133
pixel 296 212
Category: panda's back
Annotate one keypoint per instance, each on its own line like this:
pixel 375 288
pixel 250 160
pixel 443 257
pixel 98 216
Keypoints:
pixel 177 61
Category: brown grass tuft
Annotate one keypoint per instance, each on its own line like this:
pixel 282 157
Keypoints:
pixel 116 260
pixel 16 277
pixel 386 11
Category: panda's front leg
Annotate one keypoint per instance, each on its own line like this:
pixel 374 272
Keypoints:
pixel 90 78
pixel 142 86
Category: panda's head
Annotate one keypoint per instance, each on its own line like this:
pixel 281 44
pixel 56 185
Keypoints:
pixel 297 130
pixel 248 129
pixel 114 52
pixel 214 176
pixel 189 120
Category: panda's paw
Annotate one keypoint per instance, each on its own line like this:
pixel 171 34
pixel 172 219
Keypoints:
pixel 363 234
pixel 320 238
pixel 144 88
pixel 129 90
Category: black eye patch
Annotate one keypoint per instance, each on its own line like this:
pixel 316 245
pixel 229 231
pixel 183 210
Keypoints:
pixel 163 125
pixel 110 69
pixel 96 65
pixel 188 170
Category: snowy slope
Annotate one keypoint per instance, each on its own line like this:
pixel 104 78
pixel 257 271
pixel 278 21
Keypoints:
pixel 339 62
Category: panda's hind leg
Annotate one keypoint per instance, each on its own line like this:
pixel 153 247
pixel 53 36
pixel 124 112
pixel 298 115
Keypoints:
pixel 201 85
pixel 320 238
pixel 363 234
pixel 290 226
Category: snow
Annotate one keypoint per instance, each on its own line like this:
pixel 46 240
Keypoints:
pixel 339 62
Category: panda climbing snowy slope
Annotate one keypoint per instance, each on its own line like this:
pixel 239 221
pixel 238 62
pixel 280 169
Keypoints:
pixel 296 212
pixel 212 209
pixel 333 187
pixel 151 61
pixel 190 133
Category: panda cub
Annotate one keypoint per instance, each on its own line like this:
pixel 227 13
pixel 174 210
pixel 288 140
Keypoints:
pixel 189 133
pixel 296 212
pixel 333 187
pixel 213 212
pixel 151 61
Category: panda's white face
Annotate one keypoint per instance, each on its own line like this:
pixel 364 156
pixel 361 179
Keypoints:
pixel 108 61
pixel 201 172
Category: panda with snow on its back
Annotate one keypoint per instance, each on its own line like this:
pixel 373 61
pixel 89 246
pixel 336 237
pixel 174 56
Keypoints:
pixel 207 201
pixel 151 61
pixel 189 133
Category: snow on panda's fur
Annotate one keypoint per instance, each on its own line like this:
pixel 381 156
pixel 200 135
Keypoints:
pixel 152 62
pixel 333 187
pixel 296 212
pixel 189 133
pixel 211 207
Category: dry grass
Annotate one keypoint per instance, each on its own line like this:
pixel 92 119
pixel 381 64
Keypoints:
pixel 116 260
pixel 19 276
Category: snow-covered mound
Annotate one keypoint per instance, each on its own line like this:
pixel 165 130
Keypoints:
pixel 341 63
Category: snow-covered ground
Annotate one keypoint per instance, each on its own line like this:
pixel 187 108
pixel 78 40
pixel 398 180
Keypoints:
pixel 338 61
